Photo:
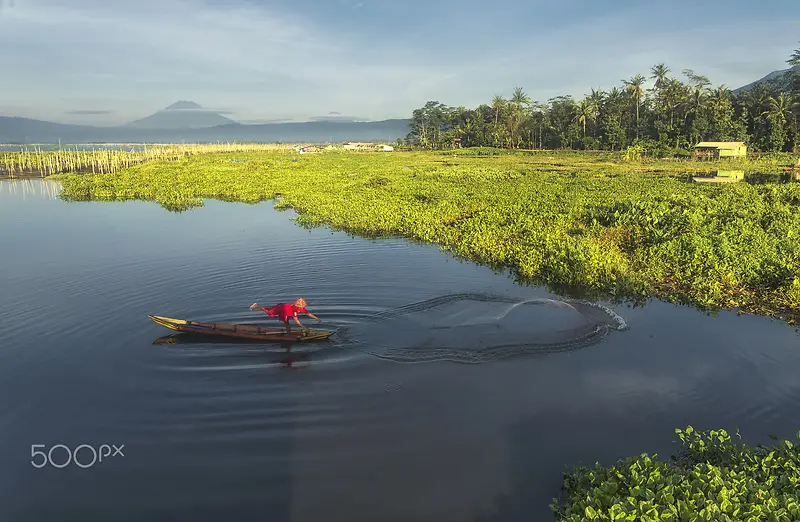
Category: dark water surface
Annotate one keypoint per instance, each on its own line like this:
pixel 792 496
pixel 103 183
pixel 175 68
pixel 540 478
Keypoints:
pixel 330 432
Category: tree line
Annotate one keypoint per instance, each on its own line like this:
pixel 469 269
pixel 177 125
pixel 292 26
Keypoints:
pixel 672 115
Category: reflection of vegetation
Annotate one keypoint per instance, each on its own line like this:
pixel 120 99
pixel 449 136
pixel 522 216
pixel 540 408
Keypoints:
pixel 570 220
pixel 712 479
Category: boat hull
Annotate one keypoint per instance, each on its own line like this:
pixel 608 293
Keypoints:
pixel 240 331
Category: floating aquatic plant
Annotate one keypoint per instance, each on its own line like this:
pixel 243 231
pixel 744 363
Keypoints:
pixel 607 227
pixel 711 479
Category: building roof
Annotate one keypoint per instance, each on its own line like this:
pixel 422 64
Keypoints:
pixel 726 145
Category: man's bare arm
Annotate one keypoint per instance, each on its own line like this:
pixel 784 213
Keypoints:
pixel 296 320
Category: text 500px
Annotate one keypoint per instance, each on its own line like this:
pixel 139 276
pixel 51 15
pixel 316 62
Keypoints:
pixel 84 456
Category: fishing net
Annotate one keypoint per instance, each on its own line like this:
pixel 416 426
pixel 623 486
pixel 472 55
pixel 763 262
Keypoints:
pixel 476 328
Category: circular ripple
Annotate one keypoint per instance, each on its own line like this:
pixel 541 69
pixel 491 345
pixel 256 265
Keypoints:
pixel 476 328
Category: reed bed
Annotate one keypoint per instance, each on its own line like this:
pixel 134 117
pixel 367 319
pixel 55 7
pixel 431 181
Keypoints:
pixel 40 162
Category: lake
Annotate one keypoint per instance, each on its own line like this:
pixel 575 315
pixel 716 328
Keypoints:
pixel 342 430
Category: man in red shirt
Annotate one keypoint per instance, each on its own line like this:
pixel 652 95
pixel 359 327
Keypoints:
pixel 285 310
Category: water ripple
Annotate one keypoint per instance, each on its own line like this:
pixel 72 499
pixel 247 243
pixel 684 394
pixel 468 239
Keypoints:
pixel 78 364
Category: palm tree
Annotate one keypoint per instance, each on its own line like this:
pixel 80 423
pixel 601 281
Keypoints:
pixel 518 102
pixel 520 98
pixel 794 59
pixel 779 108
pixel 720 96
pixel 634 86
pixel 584 113
pixel 755 101
pixel 614 95
pixel 615 99
pixel 498 104
pixel 795 123
pixel 778 112
pixel 595 101
pixel 538 111
pixel 659 74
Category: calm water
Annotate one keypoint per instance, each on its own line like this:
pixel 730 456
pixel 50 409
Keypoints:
pixel 330 432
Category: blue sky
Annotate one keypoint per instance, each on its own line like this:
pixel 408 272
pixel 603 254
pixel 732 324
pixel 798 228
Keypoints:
pixel 105 62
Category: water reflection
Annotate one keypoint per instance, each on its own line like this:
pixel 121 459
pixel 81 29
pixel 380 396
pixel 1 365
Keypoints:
pixel 732 176
pixel 295 360
pixel 220 431
pixel 36 188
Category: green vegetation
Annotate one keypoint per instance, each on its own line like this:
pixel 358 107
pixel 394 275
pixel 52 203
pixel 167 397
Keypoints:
pixel 667 119
pixel 45 162
pixel 579 223
pixel 712 479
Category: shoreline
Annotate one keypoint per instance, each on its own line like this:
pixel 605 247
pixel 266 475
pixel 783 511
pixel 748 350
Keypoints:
pixel 557 220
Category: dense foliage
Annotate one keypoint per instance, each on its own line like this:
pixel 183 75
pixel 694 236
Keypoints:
pixel 666 119
pixel 573 221
pixel 712 479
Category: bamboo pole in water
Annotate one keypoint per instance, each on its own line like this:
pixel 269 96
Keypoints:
pixel 105 160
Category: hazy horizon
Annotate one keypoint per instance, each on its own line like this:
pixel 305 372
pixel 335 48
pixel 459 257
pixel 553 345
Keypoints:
pixel 255 61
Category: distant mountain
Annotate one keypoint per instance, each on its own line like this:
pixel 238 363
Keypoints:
pixel 23 130
pixel 335 116
pixel 780 79
pixel 182 115
pixel 184 105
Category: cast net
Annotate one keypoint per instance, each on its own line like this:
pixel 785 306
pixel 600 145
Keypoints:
pixel 476 328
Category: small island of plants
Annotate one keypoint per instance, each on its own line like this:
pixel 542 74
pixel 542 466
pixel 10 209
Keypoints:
pixel 587 225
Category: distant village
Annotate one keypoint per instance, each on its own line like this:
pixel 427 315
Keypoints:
pixel 354 146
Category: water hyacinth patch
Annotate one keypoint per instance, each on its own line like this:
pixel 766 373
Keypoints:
pixel 581 224
pixel 711 479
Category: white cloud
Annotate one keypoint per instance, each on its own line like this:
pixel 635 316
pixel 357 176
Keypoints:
pixel 156 51
pixel 137 58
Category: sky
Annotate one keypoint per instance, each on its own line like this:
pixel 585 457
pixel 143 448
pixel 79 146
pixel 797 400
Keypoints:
pixel 108 62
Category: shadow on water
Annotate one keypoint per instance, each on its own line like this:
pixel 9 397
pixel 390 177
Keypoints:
pixel 286 354
pixel 188 338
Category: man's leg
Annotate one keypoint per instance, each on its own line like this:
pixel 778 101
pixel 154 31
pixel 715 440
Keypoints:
pixel 288 326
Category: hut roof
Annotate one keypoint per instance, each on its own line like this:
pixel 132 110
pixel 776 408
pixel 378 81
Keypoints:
pixel 724 145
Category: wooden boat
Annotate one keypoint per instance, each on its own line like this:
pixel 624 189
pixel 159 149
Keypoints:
pixel 241 331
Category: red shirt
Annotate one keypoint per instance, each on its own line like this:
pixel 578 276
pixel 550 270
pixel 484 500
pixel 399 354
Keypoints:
pixel 285 310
